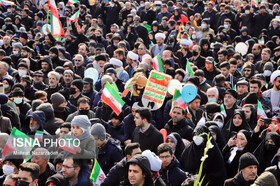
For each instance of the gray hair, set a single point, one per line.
(68, 72)
(3, 139)
(79, 55)
(5, 65)
(213, 89)
(54, 73)
(43, 152)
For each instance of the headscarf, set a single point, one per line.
(229, 128)
(219, 137)
(180, 146)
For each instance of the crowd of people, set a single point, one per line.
(227, 135)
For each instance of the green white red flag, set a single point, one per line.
(261, 41)
(112, 98)
(71, 2)
(260, 111)
(223, 110)
(189, 70)
(97, 174)
(19, 142)
(68, 145)
(6, 3)
(75, 16)
(255, 2)
(56, 28)
(177, 101)
(39, 135)
(158, 65)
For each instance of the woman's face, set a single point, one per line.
(214, 135)
(251, 59)
(176, 13)
(241, 141)
(128, 29)
(237, 120)
(171, 143)
(208, 37)
(190, 31)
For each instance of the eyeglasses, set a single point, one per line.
(247, 70)
(141, 48)
(254, 49)
(37, 76)
(77, 60)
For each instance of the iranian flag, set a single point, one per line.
(71, 2)
(261, 41)
(75, 16)
(189, 70)
(6, 3)
(158, 65)
(260, 111)
(19, 142)
(177, 100)
(68, 145)
(255, 2)
(39, 135)
(112, 98)
(223, 110)
(97, 174)
(56, 28)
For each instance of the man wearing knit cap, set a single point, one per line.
(210, 70)
(59, 105)
(109, 153)
(160, 46)
(29, 90)
(248, 168)
(242, 88)
(230, 98)
(75, 91)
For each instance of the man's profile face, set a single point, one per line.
(138, 120)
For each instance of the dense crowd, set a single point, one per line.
(51, 88)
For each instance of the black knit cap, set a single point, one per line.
(213, 107)
(78, 83)
(17, 92)
(251, 98)
(15, 159)
(246, 160)
(231, 92)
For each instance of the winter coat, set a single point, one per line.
(173, 175)
(150, 139)
(183, 127)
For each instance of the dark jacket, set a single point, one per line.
(50, 170)
(148, 15)
(116, 175)
(150, 139)
(173, 175)
(128, 126)
(108, 155)
(183, 127)
(50, 91)
(5, 124)
(237, 180)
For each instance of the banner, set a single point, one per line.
(156, 89)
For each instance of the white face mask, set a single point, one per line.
(193, 36)
(8, 169)
(212, 99)
(5, 86)
(267, 73)
(15, 52)
(203, 25)
(18, 100)
(198, 140)
(9, 10)
(22, 72)
(111, 4)
(247, 12)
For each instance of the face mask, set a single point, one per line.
(9, 10)
(212, 99)
(23, 183)
(247, 12)
(267, 73)
(226, 26)
(195, 53)
(220, 124)
(198, 140)
(111, 4)
(22, 72)
(187, 27)
(15, 52)
(18, 100)
(8, 169)
(72, 90)
(142, 5)
(193, 36)
(84, 112)
(204, 25)
(5, 86)
(269, 147)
